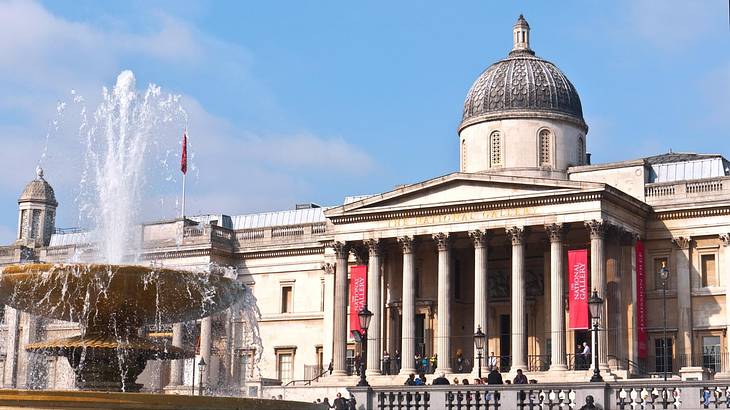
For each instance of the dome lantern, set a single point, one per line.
(36, 212)
(521, 36)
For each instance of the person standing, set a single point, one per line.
(494, 377)
(340, 403)
(386, 362)
(492, 361)
(396, 357)
(586, 353)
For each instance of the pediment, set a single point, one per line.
(461, 188)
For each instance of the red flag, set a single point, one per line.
(578, 288)
(184, 157)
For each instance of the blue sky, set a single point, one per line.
(311, 101)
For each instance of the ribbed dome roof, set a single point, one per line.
(38, 190)
(522, 86)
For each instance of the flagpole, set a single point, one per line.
(183, 198)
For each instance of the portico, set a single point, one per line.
(494, 259)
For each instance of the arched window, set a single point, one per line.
(581, 150)
(495, 149)
(463, 155)
(545, 146)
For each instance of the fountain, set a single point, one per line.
(115, 297)
(112, 302)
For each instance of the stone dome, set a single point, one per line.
(38, 190)
(522, 86)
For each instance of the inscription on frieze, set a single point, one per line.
(462, 217)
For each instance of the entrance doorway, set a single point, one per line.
(420, 334)
(505, 341)
(580, 362)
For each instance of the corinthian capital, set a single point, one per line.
(328, 268)
(725, 238)
(442, 240)
(516, 234)
(556, 232)
(480, 238)
(407, 243)
(360, 253)
(597, 229)
(342, 249)
(373, 246)
(681, 242)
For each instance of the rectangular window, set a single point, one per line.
(660, 352)
(658, 263)
(709, 274)
(246, 365)
(286, 299)
(285, 365)
(711, 353)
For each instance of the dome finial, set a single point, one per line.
(521, 35)
(39, 172)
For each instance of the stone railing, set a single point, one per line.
(278, 234)
(617, 395)
(683, 190)
(252, 237)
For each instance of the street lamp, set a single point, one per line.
(364, 315)
(595, 304)
(664, 273)
(479, 338)
(201, 368)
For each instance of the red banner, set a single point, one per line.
(358, 294)
(578, 282)
(641, 300)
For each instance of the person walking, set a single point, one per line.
(340, 403)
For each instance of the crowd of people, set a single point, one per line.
(494, 377)
(339, 403)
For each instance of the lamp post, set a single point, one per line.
(595, 304)
(479, 338)
(364, 315)
(201, 368)
(664, 273)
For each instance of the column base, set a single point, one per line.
(405, 372)
(558, 368)
(693, 373)
(370, 372)
(339, 372)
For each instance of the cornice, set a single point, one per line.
(692, 213)
(471, 207)
(285, 252)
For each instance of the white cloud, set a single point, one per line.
(233, 170)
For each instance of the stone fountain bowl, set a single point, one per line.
(119, 296)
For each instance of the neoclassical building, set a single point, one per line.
(484, 247)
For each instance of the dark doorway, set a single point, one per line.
(580, 361)
(420, 334)
(504, 343)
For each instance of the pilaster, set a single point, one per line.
(682, 266)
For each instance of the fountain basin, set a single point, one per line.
(130, 296)
(111, 302)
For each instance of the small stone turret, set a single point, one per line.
(36, 212)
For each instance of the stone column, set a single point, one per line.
(408, 328)
(328, 314)
(443, 345)
(556, 234)
(340, 317)
(375, 350)
(518, 337)
(206, 343)
(725, 277)
(12, 318)
(684, 299)
(598, 231)
(176, 367)
(481, 316)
